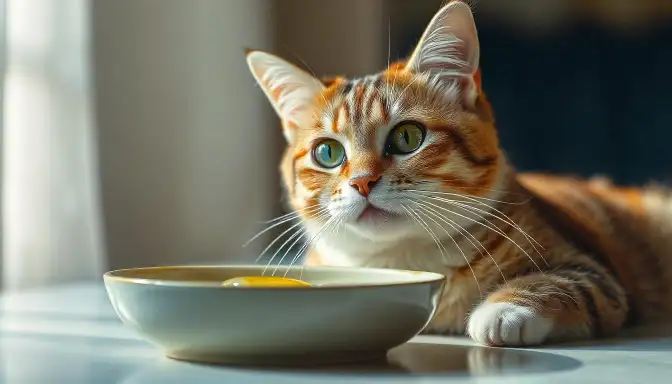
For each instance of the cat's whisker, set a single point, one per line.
(466, 207)
(504, 218)
(309, 243)
(326, 225)
(510, 221)
(507, 220)
(489, 226)
(315, 238)
(464, 232)
(300, 253)
(502, 191)
(278, 238)
(295, 213)
(530, 239)
(466, 259)
(287, 252)
(431, 233)
(275, 225)
(296, 233)
(469, 197)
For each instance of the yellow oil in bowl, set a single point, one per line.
(263, 281)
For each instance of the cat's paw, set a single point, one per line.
(507, 324)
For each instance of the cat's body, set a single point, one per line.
(581, 228)
(403, 170)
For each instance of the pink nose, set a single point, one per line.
(363, 184)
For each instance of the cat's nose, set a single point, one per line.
(364, 184)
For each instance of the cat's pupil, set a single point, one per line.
(406, 137)
(328, 151)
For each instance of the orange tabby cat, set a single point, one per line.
(403, 169)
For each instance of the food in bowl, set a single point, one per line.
(264, 281)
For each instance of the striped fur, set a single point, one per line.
(530, 258)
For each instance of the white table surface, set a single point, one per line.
(70, 334)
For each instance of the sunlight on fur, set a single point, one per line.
(403, 169)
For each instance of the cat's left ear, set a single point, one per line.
(291, 91)
(449, 47)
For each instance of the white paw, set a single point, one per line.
(507, 324)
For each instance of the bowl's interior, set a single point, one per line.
(317, 276)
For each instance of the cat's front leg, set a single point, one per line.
(565, 304)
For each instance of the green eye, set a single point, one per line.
(405, 137)
(329, 153)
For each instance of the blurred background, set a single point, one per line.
(133, 134)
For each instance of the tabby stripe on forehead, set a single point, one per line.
(383, 106)
(346, 111)
(334, 122)
(358, 107)
(347, 87)
(370, 101)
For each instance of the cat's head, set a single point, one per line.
(372, 154)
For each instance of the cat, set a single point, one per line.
(403, 169)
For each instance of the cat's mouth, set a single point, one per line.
(373, 213)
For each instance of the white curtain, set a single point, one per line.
(51, 214)
(176, 161)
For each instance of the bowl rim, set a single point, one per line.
(114, 275)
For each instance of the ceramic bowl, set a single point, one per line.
(349, 314)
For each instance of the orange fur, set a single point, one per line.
(529, 258)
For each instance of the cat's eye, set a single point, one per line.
(405, 138)
(329, 153)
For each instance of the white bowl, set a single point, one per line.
(351, 314)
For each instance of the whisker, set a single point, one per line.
(471, 197)
(295, 256)
(296, 213)
(503, 191)
(273, 226)
(309, 242)
(295, 234)
(464, 232)
(510, 221)
(278, 238)
(431, 233)
(305, 232)
(459, 249)
(504, 218)
(490, 226)
(529, 238)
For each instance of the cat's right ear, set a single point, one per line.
(291, 91)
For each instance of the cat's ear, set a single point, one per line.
(291, 91)
(449, 47)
